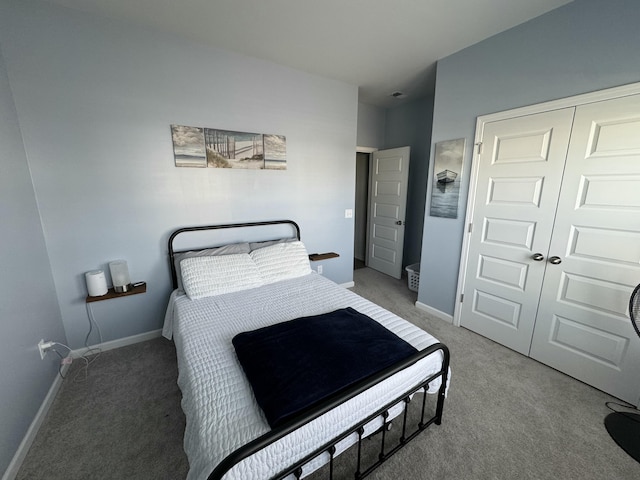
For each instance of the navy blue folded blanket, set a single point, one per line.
(294, 365)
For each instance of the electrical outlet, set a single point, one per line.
(43, 347)
(320, 269)
(348, 213)
(40, 345)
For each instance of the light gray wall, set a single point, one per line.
(28, 306)
(584, 46)
(410, 125)
(371, 126)
(96, 98)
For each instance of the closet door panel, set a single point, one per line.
(517, 190)
(582, 327)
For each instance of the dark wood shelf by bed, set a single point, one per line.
(113, 294)
(314, 257)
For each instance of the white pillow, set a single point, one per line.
(223, 250)
(282, 261)
(208, 276)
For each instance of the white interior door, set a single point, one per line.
(519, 178)
(387, 207)
(582, 327)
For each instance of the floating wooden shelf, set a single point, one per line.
(113, 294)
(314, 257)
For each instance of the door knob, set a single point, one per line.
(538, 257)
(399, 222)
(555, 260)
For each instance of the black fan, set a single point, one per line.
(624, 427)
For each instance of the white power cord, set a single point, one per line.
(89, 350)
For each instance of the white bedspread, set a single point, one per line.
(220, 409)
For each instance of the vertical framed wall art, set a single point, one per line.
(447, 172)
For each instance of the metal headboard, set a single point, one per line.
(172, 251)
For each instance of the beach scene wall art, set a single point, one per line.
(447, 170)
(212, 148)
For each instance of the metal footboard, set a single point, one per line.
(386, 451)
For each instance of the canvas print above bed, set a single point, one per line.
(209, 147)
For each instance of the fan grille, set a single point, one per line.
(634, 308)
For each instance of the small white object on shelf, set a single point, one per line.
(120, 276)
(96, 283)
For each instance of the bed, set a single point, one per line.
(224, 293)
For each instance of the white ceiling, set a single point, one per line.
(382, 46)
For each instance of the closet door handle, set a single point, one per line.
(555, 260)
(538, 257)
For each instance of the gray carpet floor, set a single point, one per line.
(506, 416)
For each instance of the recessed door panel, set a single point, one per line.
(388, 188)
(383, 254)
(525, 146)
(503, 272)
(380, 232)
(515, 191)
(509, 232)
(389, 164)
(497, 309)
(615, 138)
(614, 192)
(594, 295)
(609, 245)
(386, 211)
(592, 344)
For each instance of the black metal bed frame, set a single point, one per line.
(305, 417)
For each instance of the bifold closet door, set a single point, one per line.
(582, 327)
(517, 189)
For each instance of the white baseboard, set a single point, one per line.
(30, 436)
(120, 342)
(434, 312)
(348, 284)
(27, 441)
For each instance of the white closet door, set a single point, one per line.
(517, 188)
(582, 327)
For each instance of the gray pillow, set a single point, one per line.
(268, 243)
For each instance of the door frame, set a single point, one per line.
(574, 101)
(368, 151)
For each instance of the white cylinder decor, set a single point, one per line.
(96, 283)
(120, 276)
